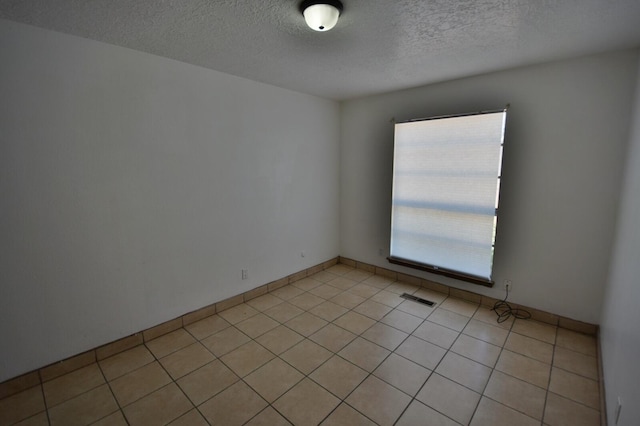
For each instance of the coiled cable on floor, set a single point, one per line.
(504, 310)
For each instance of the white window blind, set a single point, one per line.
(446, 184)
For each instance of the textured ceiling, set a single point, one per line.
(377, 46)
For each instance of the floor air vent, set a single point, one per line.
(417, 299)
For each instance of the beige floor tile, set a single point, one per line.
(517, 394)
(342, 283)
(325, 291)
(477, 350)
(338, 376)
(76, 362)
(279, 339)
(257, 325)
(283, 312)
(464, 371)
(418, 414)
(449, 398)
(207, 326)
(561, 411)
(424, 353)
(323, 276)
(85, 408)
(139, 383)
(191, 418)
(332, 337)
(273, 379)
(306, 356)
(577, 342)
(225, 341)
(306, 301)
(373, 310)
(490, 317)
(354, 322)
(124, 362)
(72, 384)
(576, 362)
(385, 336)
(483, 331)
(341, 307)
(113, 419)
(459, 306)
(345, 415)
(533, 348)
(358, 275)
(234, 406)
(524, 368)
(287, 292)
(247, 358)
(340, 269)
(170, 342)
(416, 309)
(363, 290)
(207, 381)
(268, 417)
(186, 360)
(387, 298)
(449, 319)
(307, 403)
(491, 413)
(238, 313)
(307, 284)
(402, 373)
(537, 330)
(436, 334)
(364, 354)
(379, 401)
(400, 287)
(328, 311)
(378, 281)
(264, 302)
(402, 321)
(21, 405)
(306, 324)
(348, 300)
(575, 387)
(41, 419)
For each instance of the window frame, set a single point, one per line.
(439, 270)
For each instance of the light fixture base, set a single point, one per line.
(321, 15)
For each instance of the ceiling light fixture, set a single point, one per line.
(321, 15)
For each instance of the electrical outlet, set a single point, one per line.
(302, 254)
(508, 285)
(381, 252)
(245, 274)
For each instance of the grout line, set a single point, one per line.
(324, 267)
(113, 395)
(368, 375)
(44, 400)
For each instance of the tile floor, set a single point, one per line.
(338, 348)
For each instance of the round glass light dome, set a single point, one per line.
(321, 16)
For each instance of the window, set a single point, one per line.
(446, 185)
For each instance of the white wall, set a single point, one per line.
(620, 323)
(564, 150)
(134, 189)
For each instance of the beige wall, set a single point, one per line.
(620, 321)
(566, 141)
(135, 189)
